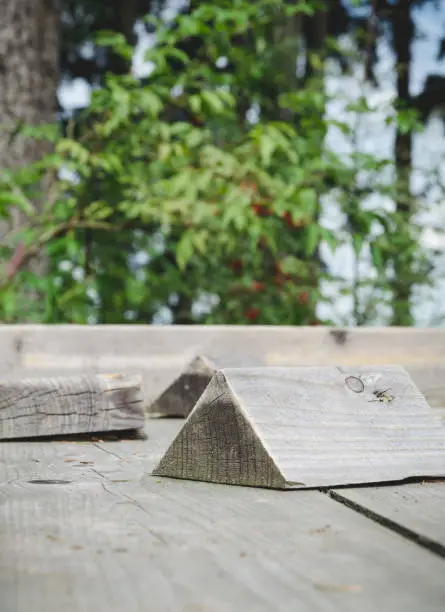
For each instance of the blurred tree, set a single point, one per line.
(402, 26)
(255, 53)
(222, 200)
(80, 57)
(29, 77)
(398, 17)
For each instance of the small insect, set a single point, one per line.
(383, 396)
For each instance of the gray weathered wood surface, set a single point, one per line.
(179, 399)
(307, 427)
(417, 509)
(111, 537)
(70, 404)
(159, 354)
(440, 413)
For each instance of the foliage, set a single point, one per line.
(165, 197)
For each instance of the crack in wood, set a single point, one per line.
(424, 541)
(105, 450)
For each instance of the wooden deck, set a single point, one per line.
(84, 527)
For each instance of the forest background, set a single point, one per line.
(268, 162)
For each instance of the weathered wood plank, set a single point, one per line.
(114, 538)
(68, 405)
(156, 354)
(416, 510)
(180, 397)
(420, 351)
(160, 353)
(35, 344)
(308, 427)
(440, 413)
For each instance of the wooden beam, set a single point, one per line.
(308, 427)
(290, 347)
(69, 405)
(161, 353)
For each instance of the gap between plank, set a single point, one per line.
(431, 545)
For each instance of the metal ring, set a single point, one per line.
(355, 383)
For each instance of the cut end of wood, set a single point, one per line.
(179, 399)
(217, 444)
(35, 407)
(308, 427)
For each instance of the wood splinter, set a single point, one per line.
(35, 407)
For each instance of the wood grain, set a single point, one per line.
(114, 538)
(69, 405)
(304, 427)
(160, 353)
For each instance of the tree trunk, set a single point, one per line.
(29, 73)
(403, 33)
(29, 76)
(122, 19)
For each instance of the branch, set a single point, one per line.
(23, 255)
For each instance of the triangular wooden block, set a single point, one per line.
(308, 427)
(179, 399)
(181, 396)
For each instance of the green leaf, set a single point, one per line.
(50, 132)
(377, 258)
(267, 147)
(184, 250)
(293, 266)
(200, 240)
(182, 183)
(15, 200)
(108, 38)
(98, 210)
(195, 138)
(407, 121)
(8, 302)
(330, 238)
(343, 127)
(178, 54)
(213, 101)
(195, 103)
(149, 101)
(116, 41)
(359, 106)
(306, 8)
(357, 243)
(234, 213)
(313, 235)
(308, 200)
(74, 150)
